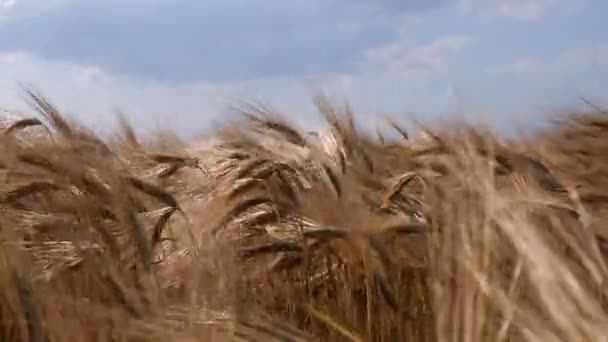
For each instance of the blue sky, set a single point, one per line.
(181, 63)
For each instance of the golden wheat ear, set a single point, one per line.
(49, 112)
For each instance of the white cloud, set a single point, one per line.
(524, 9)
(524, 65)
(516, 9)
(91, 73)
(14, 57)
(557, 81)
(92, 95)
(405, 59)
(570, 60)
(20, 9)
(7, 4)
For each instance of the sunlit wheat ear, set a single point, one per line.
(398, 185)
(50, 113)
(332, 237)
(243, 186)
(175, 163)
(264, 121)
(79, 137)
(240, 208)
(247, 169)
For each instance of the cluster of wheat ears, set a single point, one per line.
(265, 232)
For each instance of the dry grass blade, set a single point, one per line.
(367, 160)
(285, 262)
(28, 189)
(262, 218)
(37, 160)
(142, 243)
(160, 225)
(169, 171)
(380, 277)
(172, 159)
(289, 188)
(407, 229)
(272, 169)
(126, 298)
(242, 207)
(326, 233)
(263, 119)
(34, 322)
(240, 156)
(95, 185)
(273, 247)
(377, 246)
(154, 191)
(128, 133)
(23, 123)
(265, 332)
(504, 166)
(380, 136)
(400, 130)
(335, 182)
(596, 107)
(545, 177)
(108, 238)
(385, 289)
(351, 336)
(248, 168)
(398, 187)
(243, 186)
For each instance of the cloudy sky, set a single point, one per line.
(182, 63)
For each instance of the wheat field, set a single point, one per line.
(267, 232)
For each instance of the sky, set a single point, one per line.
(183, 64)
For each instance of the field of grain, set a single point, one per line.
(264, 232)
